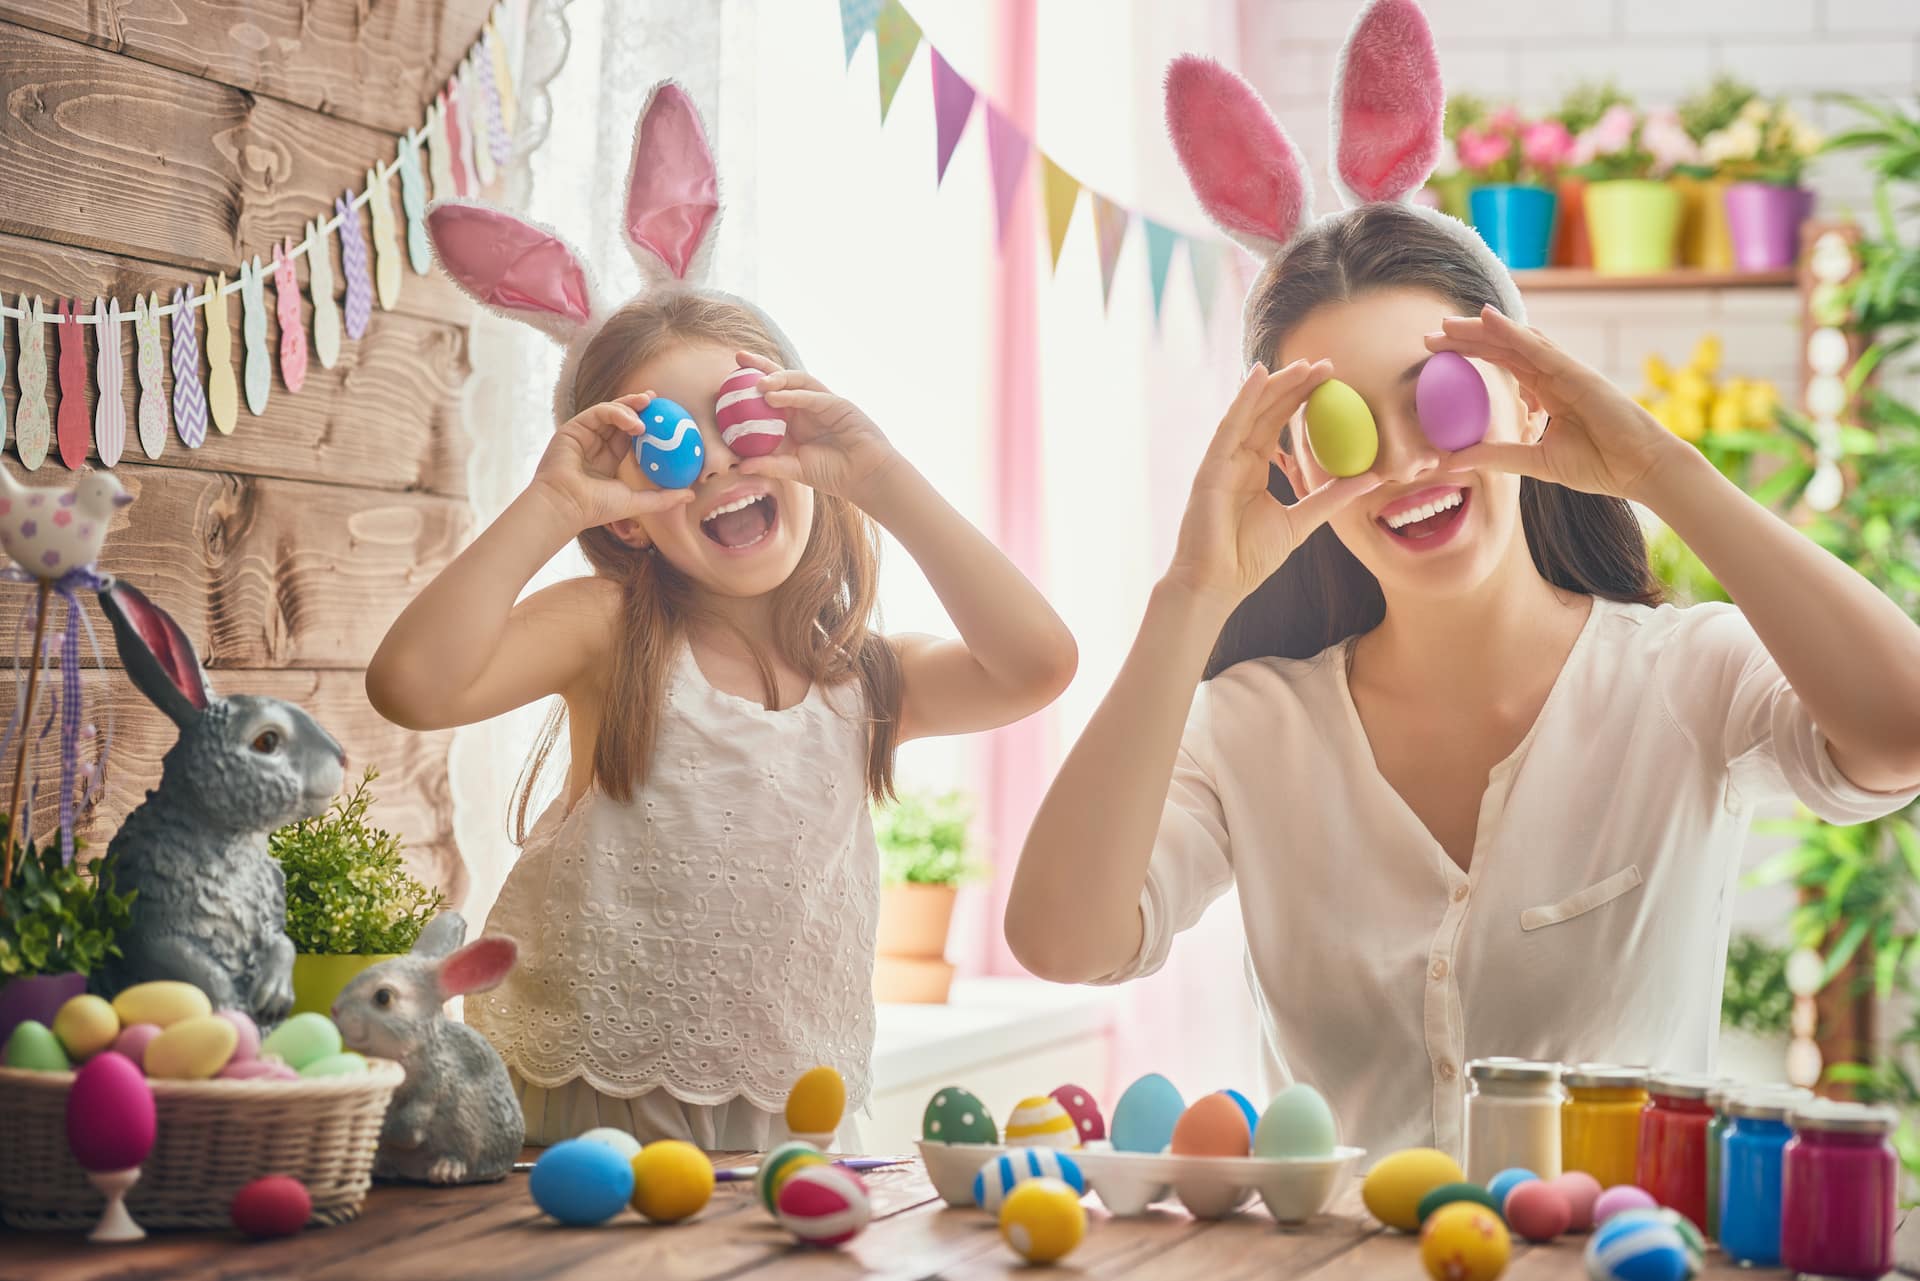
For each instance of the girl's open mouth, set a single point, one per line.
(740, 525)
(1428, 519)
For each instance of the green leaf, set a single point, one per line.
(1784, 486)
(1843, 952)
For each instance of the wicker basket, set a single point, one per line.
(214, 1138)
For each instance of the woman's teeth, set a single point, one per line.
(1400, 520)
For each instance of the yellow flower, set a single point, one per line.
(1761, 399)
(1756, 110)
(1706, 354)
(1726, 415)
(1691, 387)
(1658, 375)
(1689, 421)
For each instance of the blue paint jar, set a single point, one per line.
(1751, 1157)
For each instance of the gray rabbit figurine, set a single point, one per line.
(212, 905)
(455, 1119)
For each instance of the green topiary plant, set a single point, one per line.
(59, 919)
(1756, 998)
(923, 840)
(348, 889)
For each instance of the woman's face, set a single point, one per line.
(1377, 345)
(741, 535)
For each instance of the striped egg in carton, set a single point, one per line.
(669, 451)
(748, 425)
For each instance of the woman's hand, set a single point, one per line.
(1235, 534)
(831, 445)
(1597, 439)
(579, 475)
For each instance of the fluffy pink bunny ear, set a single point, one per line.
(673, 192)
(1387, 104)
(519, 269)
(1246, 171)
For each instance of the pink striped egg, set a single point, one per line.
(748, 425)
(824, 1205)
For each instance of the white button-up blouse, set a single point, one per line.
(1592, 924)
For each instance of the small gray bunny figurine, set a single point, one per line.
(455, 1118)
(212, 902)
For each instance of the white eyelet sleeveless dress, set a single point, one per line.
(687, 954)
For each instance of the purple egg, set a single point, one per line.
(248, 1046)
(110, 1114)
(133, 1041)
(1451, 398)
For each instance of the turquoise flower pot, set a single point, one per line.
(1516, 222)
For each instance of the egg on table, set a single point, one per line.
(34, 1048)
(86, 1025)
(1619, 1199)
(1451, 401)
(1340, 428)
(955, 1115)
(780, 1165)
(1080, 1105)
(1298, 1123)
(669, 450)
(303, 1039)
(824, 1205)
(1004, 1173)
(1245, 1105)
(1043, 1220)
(816, 1103)
(748, 425)
(1505, 1182)
(1465, 1241)
(1581, 1190)
(277, 1205)
(1537, 1211)
(1637, 1245)
(1144, 1118)
(672, 1180)
(194, 1049)
(581, 1183)
(1394, 1188)
(1213, 1126)
(1041, 1122)
(1452, 1194)
(619, 1140)
(162, 1002)
(111, 1118)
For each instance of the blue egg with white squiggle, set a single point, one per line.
(670, 452)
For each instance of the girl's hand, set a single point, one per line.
(1597, 439)
(831, 445)
(580, 472)
(1235, 534)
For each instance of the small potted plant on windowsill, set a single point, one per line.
(924, 860)
(1763, 154)
(1633, 213)
(60, 921)
(350, 900)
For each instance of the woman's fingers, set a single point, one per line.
(754, 360)
(807, 400)
(1326, 502)
(791, 380)
(778, 465)
(1500, 455)
(1284, 392)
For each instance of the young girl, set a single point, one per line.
(1480, 793)
(697, 911)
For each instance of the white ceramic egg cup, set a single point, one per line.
(1293, 1188)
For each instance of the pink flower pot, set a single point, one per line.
(1765, 221)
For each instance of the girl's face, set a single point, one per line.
(741, 535)
(1377, 345)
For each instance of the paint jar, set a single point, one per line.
(1600, 1121)
(1513, 1118)
(1838, 1183)
(1673, 1144)
(1747, 1198)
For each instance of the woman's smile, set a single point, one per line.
(1427, 519)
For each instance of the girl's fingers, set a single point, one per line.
(645, 502)
(775, 466)
(610, 417)
(808, 399)
(1326, 502)
(754, 360)
(791, 380)
(1499, 455)
(1234, 424)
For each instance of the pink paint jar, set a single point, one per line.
(1838, 1186)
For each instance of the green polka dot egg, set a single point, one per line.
(955, 1115)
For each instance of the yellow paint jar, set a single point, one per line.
(1600, 1121)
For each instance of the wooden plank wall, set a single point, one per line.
(147, 143)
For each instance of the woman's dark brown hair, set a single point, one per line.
(823, 612)
(1586, 543)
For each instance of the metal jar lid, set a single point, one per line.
(1766, 1102)
(1604, 1076)
(1682, 1085)
(1517, 1071)
(1834, 1117)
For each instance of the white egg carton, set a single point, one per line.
(1294, 1188)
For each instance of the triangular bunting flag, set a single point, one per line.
(856, 19)
(1061, 191)
(897, 35)
(1203, 256)
(952, 107)
(1161, 242)
(1110, 225)
(1007, 149)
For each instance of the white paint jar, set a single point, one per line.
(1513, 1118)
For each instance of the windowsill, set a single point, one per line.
(986, 1020)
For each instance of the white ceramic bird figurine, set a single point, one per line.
(48, 532)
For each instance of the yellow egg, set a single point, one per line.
(817, 1102)
(161, 1003)
(1043, 1220)
(1392, 1189)
(193, 1049)
(86, 1025)
(672, 1181)
(1340, 429)
(1464, 1241)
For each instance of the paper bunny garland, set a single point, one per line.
(1387, 109)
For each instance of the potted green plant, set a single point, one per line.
(1578, 112)
(1756, 1010)
(1514, 163)
(350, 899)
(59, 922)
(1763, 152)
(925, 858)
(1705, 240)
(1633, 213)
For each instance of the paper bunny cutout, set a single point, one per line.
(189, 394)
(149, 368)
(223, 395)
(326, 312)
(439, 152)
(353, 261)
(70, 416)
(286, 306)
(526, 272)
(258, 372)
(32, 429)
(109, 381)
(386, 250)
(1387, 110)
(413, 199)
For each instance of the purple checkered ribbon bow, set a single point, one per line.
(66, 703)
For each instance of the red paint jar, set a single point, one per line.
(1838, 1183)
(1673, 1144)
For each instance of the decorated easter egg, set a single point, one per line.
(302, 1039)
(1618, 1199)
(86, 1025)
(1393, 1189)
(1340, 429)
(748, 424)
(1690, 1238)
(1537, 1211)
(1245, 1105)
(248, 1044)
(1298, 1123)
(1637, 1246)
(619, 1140)
(1213, 1126)
(672, 1180)
(275, 1206)
(1002, 1174)
(581, 1183)
(163, 1003)
(780, 1165)
(1043, 1220)
(1506, 1181)
(817, 1102)
(1041, 1122)
(1080, 1105)
(1144, 1118)
(193, 1049)
(266, 1069)
(133, 1042)
(1464, 1241)
(1449, 1193)
(1581, 1191)
(1451, 399)
(954, 1115)
(824, 1205)
(110, 1114)
(345, 1063)
(669, 451)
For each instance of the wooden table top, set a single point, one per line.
(494, 1231)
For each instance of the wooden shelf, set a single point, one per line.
(1546, 279)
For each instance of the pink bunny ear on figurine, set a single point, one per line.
(479, 966)
(673, 191)
(516, 268)
(1246, 171)
(1388, 105)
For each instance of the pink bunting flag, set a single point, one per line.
(952, 108)
(70, 419)
(1007, 149)
(1110, 228)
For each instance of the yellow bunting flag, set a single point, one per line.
(1061, 190)
(897, 35)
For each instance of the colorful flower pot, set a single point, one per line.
(1635, 226)
(1453, 193)
(1765, 220)
(38, 998)
(1571, 246)
(318, 979)
(1516, 222)
(1705, 240)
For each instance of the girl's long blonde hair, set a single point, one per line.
(823, 612)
